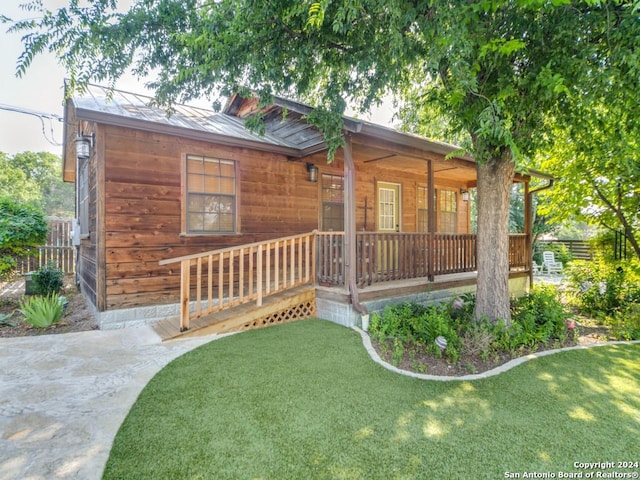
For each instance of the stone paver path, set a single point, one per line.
(63, 397)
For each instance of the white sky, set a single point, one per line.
(41, 90)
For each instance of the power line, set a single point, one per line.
(41, 116)
(11, 108)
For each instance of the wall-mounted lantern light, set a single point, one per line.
(313, 172)
(464, 194)
(84, 144)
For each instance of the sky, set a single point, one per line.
(41, 90)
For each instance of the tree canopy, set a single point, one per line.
(601, 183)
(499, 69)
(37, 178)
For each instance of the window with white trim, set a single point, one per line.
(422, 213)
(332, 203)
(448, 211)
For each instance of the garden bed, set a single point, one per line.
(77, 316)
(418, 359)
(447, 340)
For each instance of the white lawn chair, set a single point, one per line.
(550, 264)
(537, 269)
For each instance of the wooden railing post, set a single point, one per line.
(185, 287)
(259, 276)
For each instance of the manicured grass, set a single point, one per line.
(304, 400)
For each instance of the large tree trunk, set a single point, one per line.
(495, 177)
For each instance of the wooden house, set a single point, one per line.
(182, 216)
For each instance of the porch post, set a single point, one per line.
(349, 216)
(431, 221)
(528, 230)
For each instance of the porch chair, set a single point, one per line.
(550, 264)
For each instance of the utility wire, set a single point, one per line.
(41, 116)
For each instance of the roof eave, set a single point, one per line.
(150, 126)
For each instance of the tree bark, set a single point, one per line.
(495, 177)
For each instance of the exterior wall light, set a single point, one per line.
(84, 145)
(313, 172)
(464, 194)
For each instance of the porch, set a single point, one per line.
(386, 265)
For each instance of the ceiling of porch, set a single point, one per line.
(454, 170)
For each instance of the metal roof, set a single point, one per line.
(117, 107)
(288, 134)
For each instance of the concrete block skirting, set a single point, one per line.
(334, 310)
(343, 313)
(138, 316)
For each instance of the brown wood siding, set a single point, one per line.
(143, 209)
(88, 251)
(368, 174)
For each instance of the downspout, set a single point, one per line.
(530, 194)
(350, 230)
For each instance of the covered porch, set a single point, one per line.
(392, 217)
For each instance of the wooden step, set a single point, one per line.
(289, 305)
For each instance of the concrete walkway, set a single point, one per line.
(63, 397)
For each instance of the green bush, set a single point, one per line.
(48, 279)
(625, 323)
(538, 318)
(415, 323)
(22, 227)
(541, 316)
(600, 287)
(42, 312)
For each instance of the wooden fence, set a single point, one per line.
(58, 249)
(578, 248)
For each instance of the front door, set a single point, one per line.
(388, 222)
(388, 207)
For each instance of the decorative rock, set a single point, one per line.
(441, 342)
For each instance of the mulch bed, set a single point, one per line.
(78, 316)
(416, 359)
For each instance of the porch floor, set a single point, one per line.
(411, 286)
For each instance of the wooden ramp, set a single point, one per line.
(287, 306)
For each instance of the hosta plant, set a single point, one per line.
(42, 312)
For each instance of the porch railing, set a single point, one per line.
(215, 280)
(382, 257)
(236, 275)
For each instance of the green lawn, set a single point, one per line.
(304, 400)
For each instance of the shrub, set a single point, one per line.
(478, 339)
(48, 279)
(537, 318)
(541, 316)
(625, 323)
(601, 287)
(22, 227)
(412, 322)
(42, 312)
